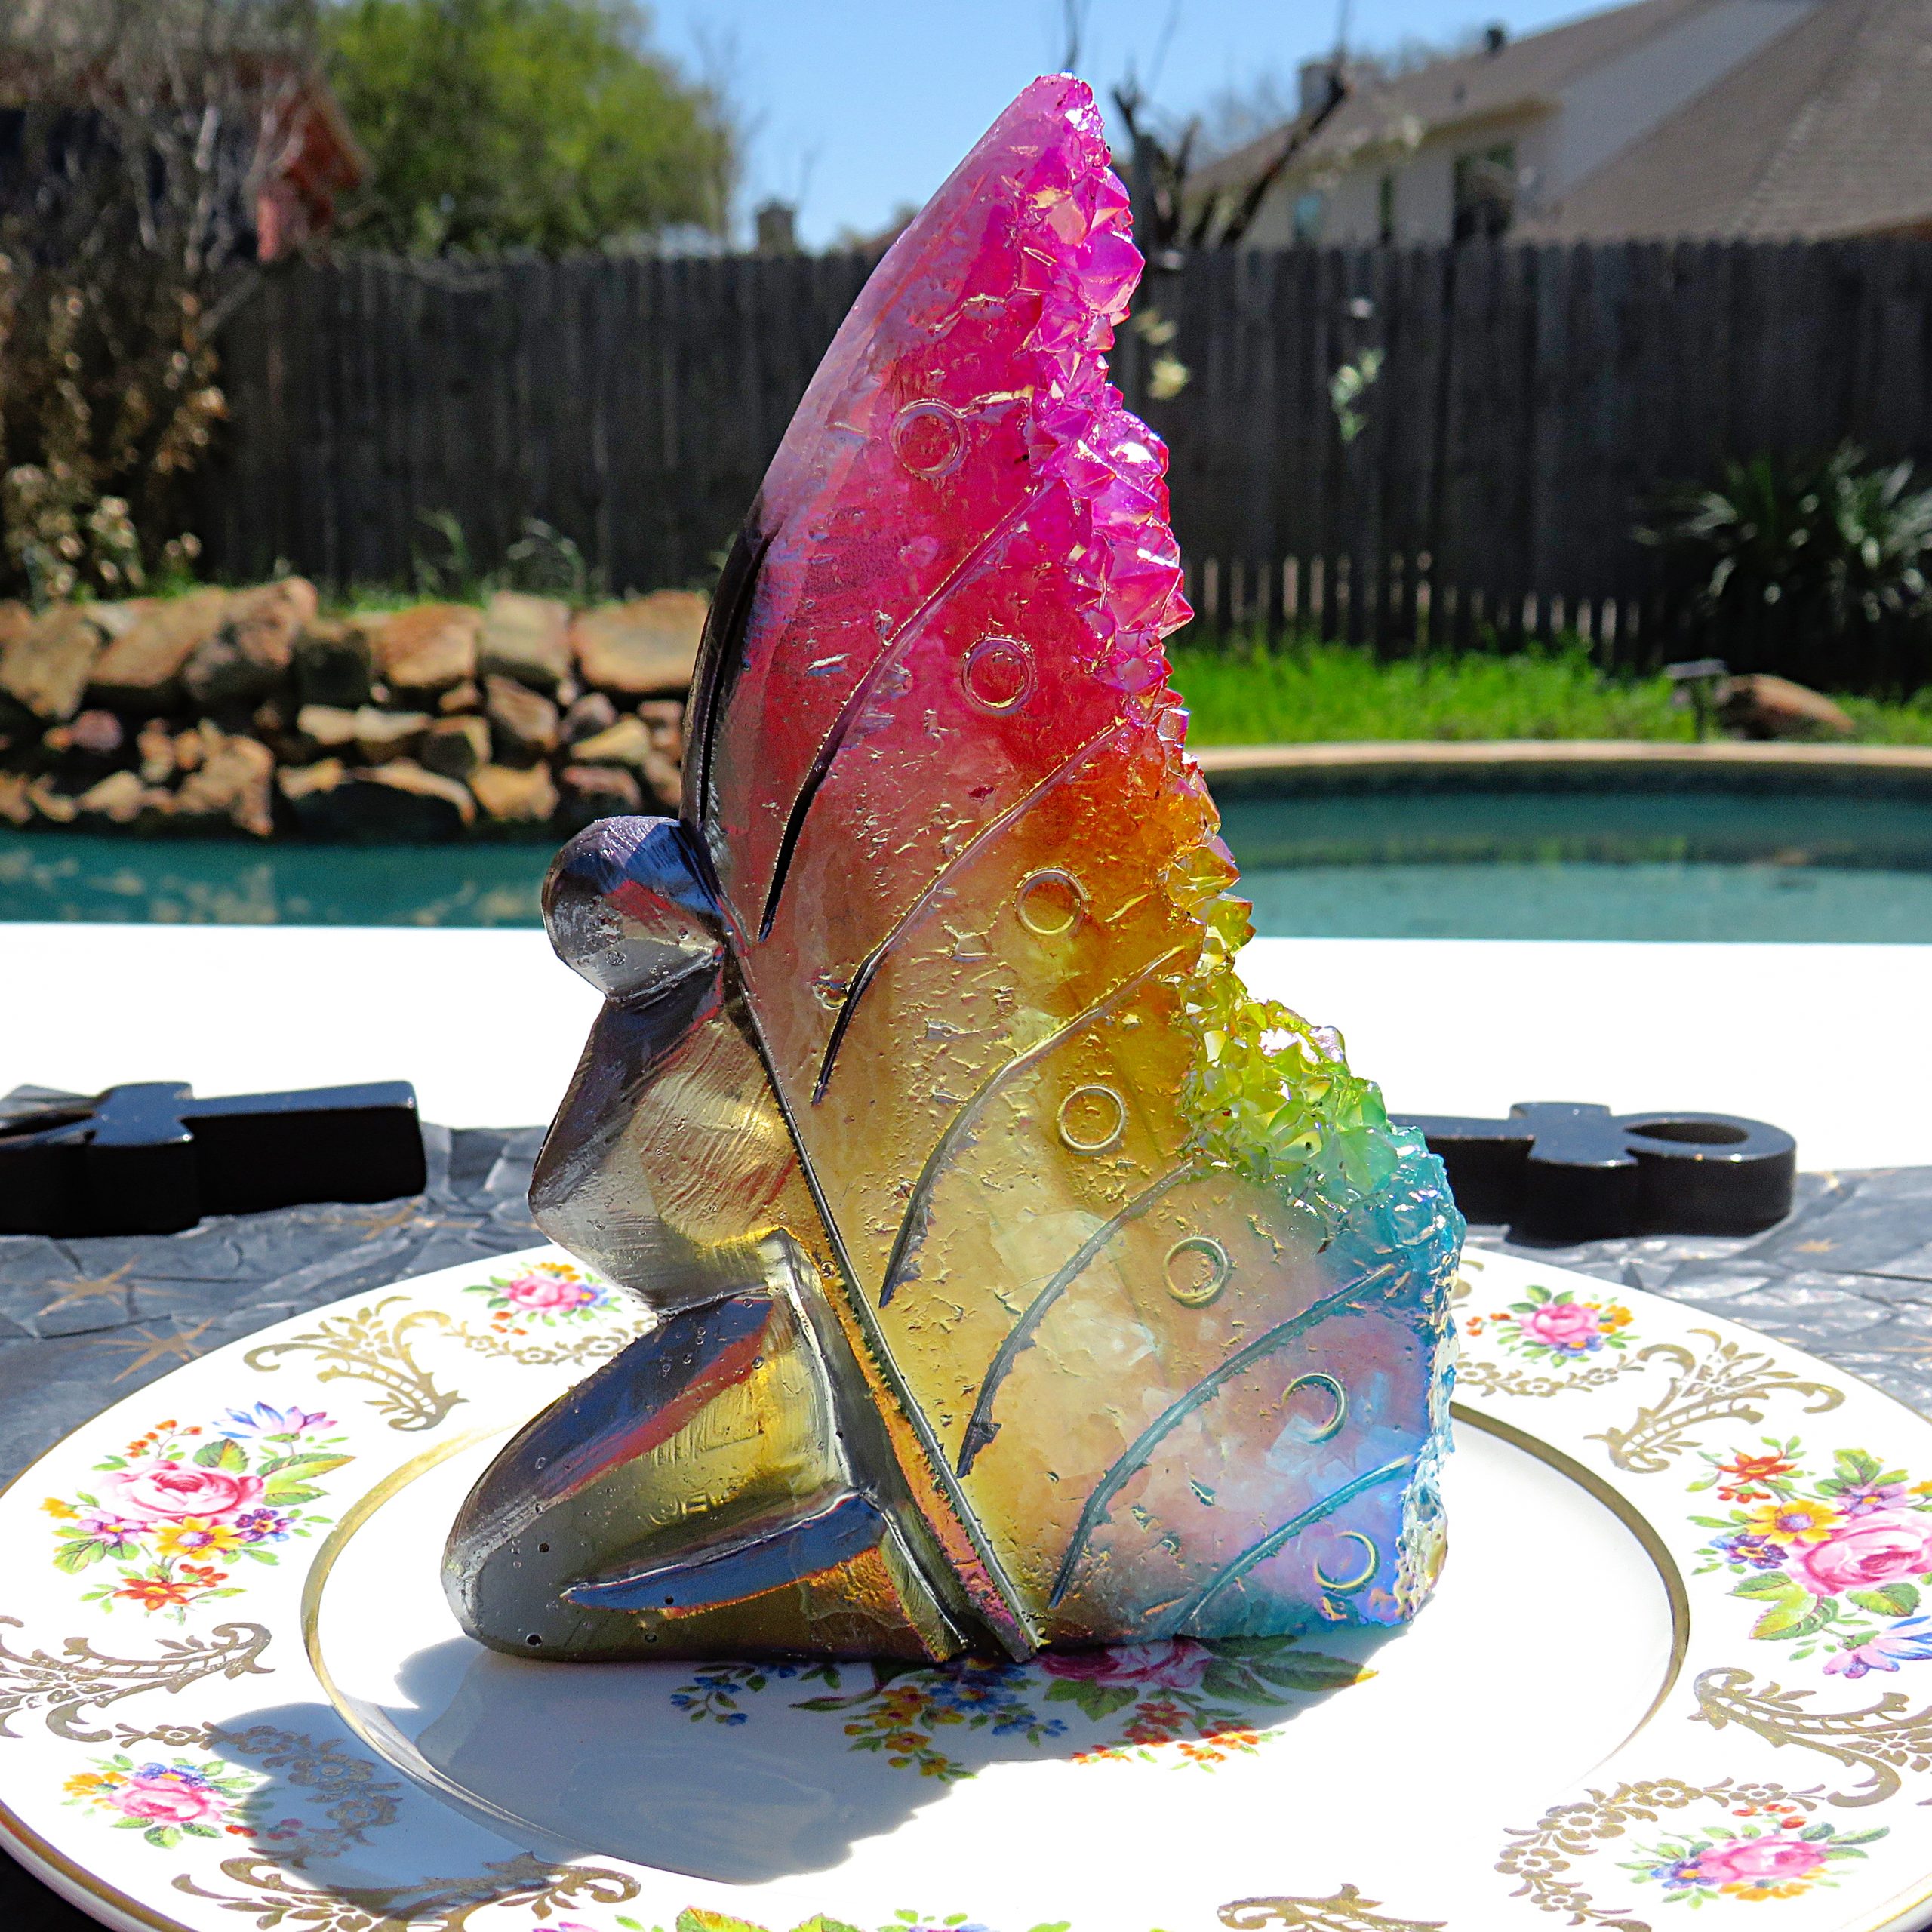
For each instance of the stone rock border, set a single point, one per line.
(249, 711)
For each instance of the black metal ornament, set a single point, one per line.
(151, 1159)
(1564, 1170)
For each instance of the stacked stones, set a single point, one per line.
(248, 710)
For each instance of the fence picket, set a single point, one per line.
(1530, 402)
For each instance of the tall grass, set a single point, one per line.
(1307, 693)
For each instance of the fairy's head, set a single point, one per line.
(627, 908)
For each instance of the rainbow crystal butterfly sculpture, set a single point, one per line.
(1020, 1280)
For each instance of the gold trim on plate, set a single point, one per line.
(1633, 1519)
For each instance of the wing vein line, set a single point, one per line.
(870, 964)
(943, 1148)
(861, 694)
(1006, 1616)
(718, 649)
(1134, 1457)
(1278, 1539)
(980, 1428)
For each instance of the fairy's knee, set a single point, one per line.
(719, 1418)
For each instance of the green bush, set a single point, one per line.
(1817, 555)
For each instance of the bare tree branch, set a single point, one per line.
(1073, 33)
(1160, 168)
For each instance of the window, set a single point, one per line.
(1485, 193)
(1385, 207)
(1308, 211)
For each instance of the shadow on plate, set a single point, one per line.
(742, 1773)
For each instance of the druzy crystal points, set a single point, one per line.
(1023, 1280)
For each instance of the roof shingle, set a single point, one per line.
(1826, 131)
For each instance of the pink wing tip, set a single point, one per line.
(1048, 148)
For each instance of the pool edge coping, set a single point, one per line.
(1469, 754)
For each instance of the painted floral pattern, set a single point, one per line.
(1557, 1328)
(1839, 1561)
(1206, 1702)
(902, 1710)
(184, 1506)
(1826, 1553)
(548, 1294)
(692, 1919)
(1776, 1855)
(166, 1801)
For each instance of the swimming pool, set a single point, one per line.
(1474, 861)
(1614, 863)
(64, 875)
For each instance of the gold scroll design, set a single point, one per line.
(1566, 1834)
(1883, 1739)
(1344, 1911)
(348, 1790)
(1727, 1383)
(370, 1345)
(277, 1898)
(577, 1352)
(1488, 1377)
(63, 1689)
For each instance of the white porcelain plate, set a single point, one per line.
(1678, 1657)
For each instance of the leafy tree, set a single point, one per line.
(552, 125)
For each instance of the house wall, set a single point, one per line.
(1273, 226)
(1605, 109)
(1594, 119)
(1351, 213)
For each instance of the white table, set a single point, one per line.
(1833, 1042)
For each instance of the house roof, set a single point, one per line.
(1825, 131)
(1520, 76)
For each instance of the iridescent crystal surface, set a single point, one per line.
(1023, 1280)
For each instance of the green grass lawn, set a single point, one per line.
(1303, 693)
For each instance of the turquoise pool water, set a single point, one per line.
(83, 875)
(1604, 864)
(1462, 864)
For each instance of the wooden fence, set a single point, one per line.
(632, 405)
(1529, 400)
(1530, 403)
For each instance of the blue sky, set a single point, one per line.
(861, 105)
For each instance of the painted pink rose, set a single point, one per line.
(1175, 1664)
(541, 1293)
(1569, 1325)
(169, 1492)
(168, 1798)
(1883, 1547)
(1758, 1861)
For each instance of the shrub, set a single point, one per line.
(129, 200)
(1817, 556)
